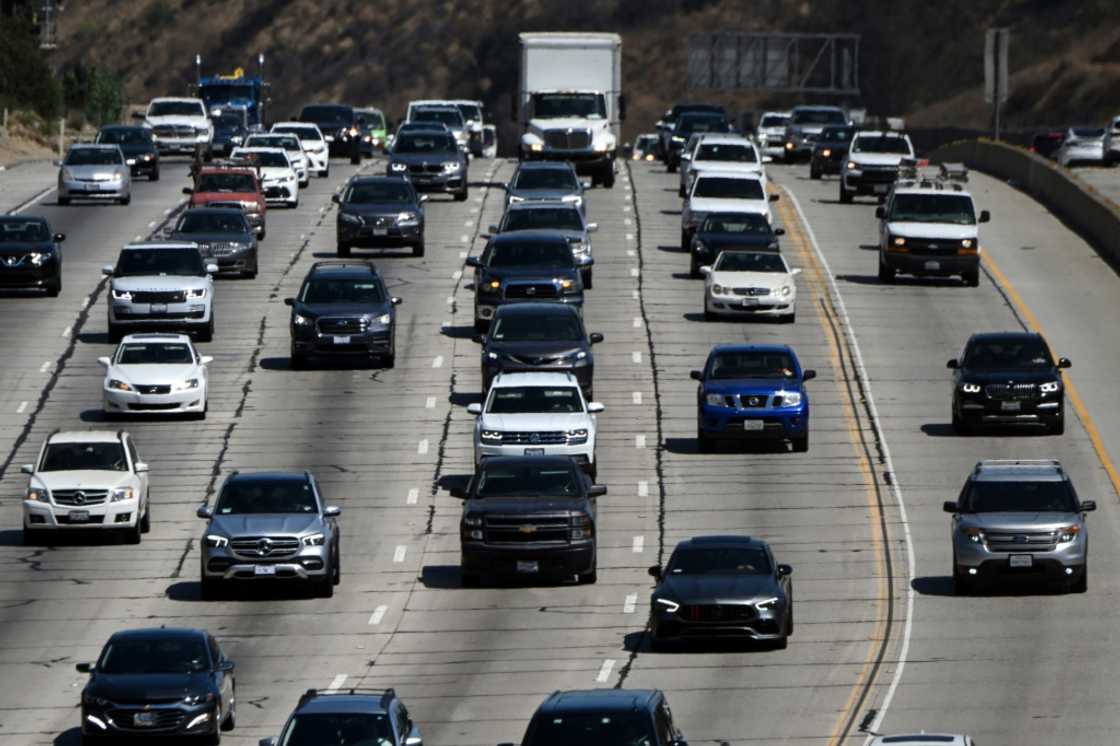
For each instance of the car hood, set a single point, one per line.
(721, 204)
(207, 238)
(552, 348)
(736, 240)
(1028, 375)
(770, 280)
(539, 194)
(538, 421)
(527, 506)
(877, 159)
(195, 121)
(160, 282)
(425, 159)
(264, 523)
(931, 230)
(377, 208)
(545, 274)
(751, 385)
(697, 589)
(82, 480)
(344, 309)
(1019, 521)
(154, 375)
(150, 687)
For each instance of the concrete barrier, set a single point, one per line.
(1079, 204)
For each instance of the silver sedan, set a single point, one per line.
(94, 172)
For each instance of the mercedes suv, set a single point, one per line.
(269, 526)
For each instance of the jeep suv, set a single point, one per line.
(1008, 378)
(270, 525)
(343, 308)
(1019, 518)
(349, 716)
(529, 517)
(603, 716)
(86, 480)
(161, 285)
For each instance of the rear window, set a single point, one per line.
(719, 187)
(226, 183)
(718, 152)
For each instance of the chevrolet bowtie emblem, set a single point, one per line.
(528, 529)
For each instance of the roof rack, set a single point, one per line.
(1025, 462)
(386, 695)
(366, 264)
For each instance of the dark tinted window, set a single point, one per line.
(249, 496)
(562, 105)
(122, 136)
(546, 178)
(226, 183)
(818, 116)
(265, 158)
(749, 261)
(558, 255)
(1088, 133)
(725, 152)
(541, 399)
(341, 290)
(720, 187)
(179, 654)
(999, 497)
(303, 133)
(838, 134)
(526, 480)
(367, 193)
(84, 456)
(349, 729)
(752, 364)
(22, 230)
(451, 117)
(719, 561)
(704, 123)
(774, 120)
(744, 223)
(93, 157)
(228, 119)
(559, 218)
(425, 142)
(226, 221)
(880, 144)
(155, 353)
(160, 262)
(470, 111)
(340, 115)
(525, 328)
(1002, 354)
(592, 729)
(176, 109)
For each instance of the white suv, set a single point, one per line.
(161, 285)
(531, 414)
(87, 480)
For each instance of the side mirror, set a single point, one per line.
(949, 506)
(459, 492)
(585, 183)
(808, 375)
(472, 261)
(27, 468)
(423, 198)
(188, 190)
(705, 270)
(204, 512)
(595, 407)
(686, 157)
(474, 408)
(881, 212)
(107, 269)
(396, 301)
(289, 301)
(104, 362)
(414, 741)
(1064, 362)
(795, 271)
(206, 359)
(226, 666)
(595, 338)
(767, 159)
(953, 364)
(211, 269)
(267, 742)
(696, 375)
(478, 339)
(985, 216)
(332, 511)
(141, 467)
(784, 570)
(494, 229)
(597, 490)
(336, 198)
(485, 236)
(1088, 506)
(775, 197)
(84, 668)
(779, 231)
(592, 227)
(59, 237)
(655, 571)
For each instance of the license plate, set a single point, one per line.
(750, 302)
(380, 231)
(78, 516)
(341, 340)
(144, 719)
(753, 424)
(527, 566)
(329, 138)
(881, 188)
(933, 265)
(131, 161)
(1021, 560)
(264, 570)
(1010, 406)
(159, 308)
(534, 451)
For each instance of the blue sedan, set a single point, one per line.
(752, 392)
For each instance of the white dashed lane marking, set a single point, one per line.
(337, 682)
(413, 496)
(605, 670)
(631, 603)
(639, 545)
(378, 614)
(422, 448)
(399, 553)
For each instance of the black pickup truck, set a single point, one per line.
(529, 517)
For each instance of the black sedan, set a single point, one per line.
(30, 256)
(140, 151)
(830, 151)
(223, 235)
(730, 230)
(158, 683)
(432, 161)
(546, 337)
(379, 211)
(722, 586)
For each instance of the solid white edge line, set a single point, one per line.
(20, 208)
(896, 489)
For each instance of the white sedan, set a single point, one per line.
(750, 283)
(279, 180)
(155, 374)
(313, 142)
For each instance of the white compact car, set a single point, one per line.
(279, 180)
(1111, 143)
(1083, 146)
(723, 191)
(530, 414)
(291, 144)
(155, 374)
(720, 152)
(750, 283)
(771, 133)
(313, 142)
(90, 480)
(179, 125)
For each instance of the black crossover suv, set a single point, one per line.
(380, 212)
(30, 255)
(603, 716)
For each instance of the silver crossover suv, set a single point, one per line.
(1019, 518)
(269, 526)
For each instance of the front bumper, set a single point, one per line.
(978, 409)
(90, 517)
(134, 403)
(111, 189)
(731, 424)
(554, 562)
(177, 719)
(935, 265)
(28, 275)
(188, 315)
(372, 342)
(319, 161)
(725, 620)
(142, 166)
(428, 181)
(583, 454)
(365, 234)
(180, 144)
(734, 305)
(309, 563)
(975, 559)
(869, 181)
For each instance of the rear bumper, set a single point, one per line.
(584, 374)
(869, 182)
(365, 235)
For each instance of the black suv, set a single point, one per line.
(730, 230)
(349, 716)
(523, 267)
(548, 337)
(343, 308)
(830, 151)
(603, 716)
(1008, 378)
(379, 211)
(529, 517)
(140, 151)
(30, 256)
(722, 586)
(688, 124)
(432, 160)
(158, 683)
(340, 127)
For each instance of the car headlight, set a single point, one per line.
(216, 541)
(536, 147)
(572, 199)
(196, 293)
(581, 528)
(201, 129)
(766, 604)
(669, 606)
(602, 147)
(67, 175)
(122, 493)
(119, 385)
(715, 400)
(492, 355)
(717, 289)
(974, 535)
(300, 320)
(314, 540)
(852, 165)
(789, 146)
(581, 355)
(513, 198)
(472, 520)
(578, 247)
(701, 247)
(1049, 387)
(197, 699)
(970, 388)
(348, 218)
(38, 494)
(494, 436)
(790, 399)
(966, 243)
(117, 175)
(898, 241)
(122, 294)
(452, 166)
(825, 153)
(235, 139)
(407, 218)
(398, 167)
(38, 257)
(250, 206)
(187, 385)
(147, 156)
(678, 138)
(491, 287)
(567, 285)
(575, 437)
(384, 319)
(1068, 533)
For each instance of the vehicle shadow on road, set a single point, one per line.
(684, 446)
(94, 338)
(71, 537)
(945, 430)
(869, 246)
(942, 585)
(458, 332)
(441, 577)
(931, 282)
(684, 276)
(71, 737)
(463, 398)
(672, 249)
(269, 590)
(358, 255)
(639, 642)
(324, 363)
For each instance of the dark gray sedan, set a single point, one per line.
(224, 237)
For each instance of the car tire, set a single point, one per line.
(670, 167)
(146, 519)
(230, 720)
(132, 535)
(886, 274)
(251, 274)
(63, 201)
(781, 643)
(588, 578)
(789, 318)
(154, 175)
(1081, 583)
(297, 361)
(971, 278)
(418, 249)
(963, 585)
(801, 444)
(705, 443)
(593, 471)
(845, 195)
(684, 241)
(585, 275)
(55, 287)
(709, 316)
(461, 196)
(294, 204)
(389, 361)
(469, 580)
(814, 173)
(124, 201)
(342, 249)
(325, 588)
(210, 589)
(960, 426)
(336, 576)
(481, 325)
(680, 192)
(1057, 425)
(116, 334)
(608, 176)
(207, 334)
(263, 233)
(33, 537)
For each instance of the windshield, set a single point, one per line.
(254, 496)
(690, 124)
(818, 116)
(93, 157)
(540, 399)
(752, 364)
(558, 327)
(228, 119)
(746, 224)
(84, 457)
(263, 158)
(556, 218)
(1001, 497)
(592, 729)
(371, 119)
(719, 561)
(177, 109)
(226, 183)
(838, 134)
(287, 142)
(532, 255)
(932, 208)
(139, 262)
(774, 120)
(155, 353)
(122, 136)
(574, 105)
(470, 112)
(223, 92)
(337, 115)
(303, 133)
(526, 480)
(736, 153)
(749, 261)
(225, 221)
(346, 729)
(341, 291)
(376, 192)
(1008, 354)
(451, 117)
(425, 142)
(147, 656)
(881, 144)
(724, 187)
(546, 178)
(20, 230)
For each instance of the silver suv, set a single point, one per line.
(1019, 518)
(158, 286)
(268, 526)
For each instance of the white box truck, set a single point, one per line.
(570, 104)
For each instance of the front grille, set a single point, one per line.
(342, 325)
(567, 139)
(1011, 391)
(92, 520)
(537, 359)
(174, 130)
(716, 612)
(164, 719)
(154, 389)
(265, 547)
(1035, 541)
(219, 248)
(933, 246)
(752, 292)
(526, 529)
(177, 316)
(545, 438)
(880, 175)
(425, 168)
(80, 497)
(13, 260)
(752, 401)
(532, 290)
(159, 296)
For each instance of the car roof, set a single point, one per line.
(723, 138)
(540, 204)
(343, 268)
(816, 107)
(21, 218)
(157, 633)
(271, 476)
(85, 436)
(928, 186)
(177, 98)
(1008, 336)
(544, 166)
(290, 123)
(599, 700)
(175, 245)
(377, 179)
(723, 173)
(535, 309)
(878, 133)
(95, 146)
(156, 337)
(752, 348)
(1019, 470)
(534, 378)
(722, 540)
(920, 738)
(210, 209)
(537, 235)
(344, 702)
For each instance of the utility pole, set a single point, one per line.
(996, 87)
